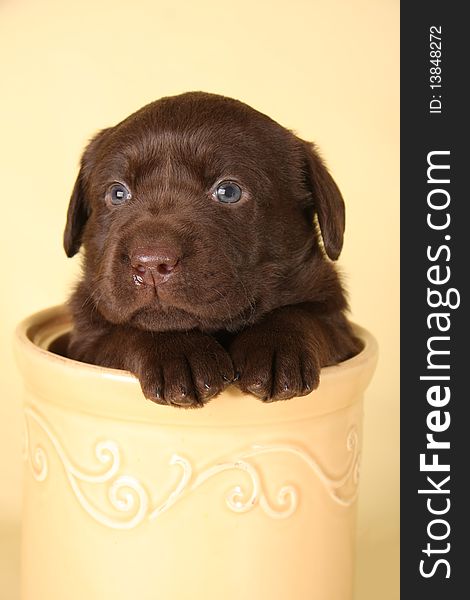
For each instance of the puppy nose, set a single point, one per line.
(153, 265)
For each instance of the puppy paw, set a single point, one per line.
(185, 370)
(274, 367)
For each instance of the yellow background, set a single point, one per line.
(326, 68)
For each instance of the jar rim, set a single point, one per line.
(49, 373)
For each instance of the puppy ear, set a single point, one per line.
(77, 216)
(79, 207)
(327, 199)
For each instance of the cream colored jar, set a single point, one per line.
(125, 499)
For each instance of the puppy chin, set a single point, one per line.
(157, 315)
(148, 311)
(170, 319)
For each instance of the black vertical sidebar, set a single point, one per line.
(435, 323)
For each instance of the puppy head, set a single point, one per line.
(197, 211)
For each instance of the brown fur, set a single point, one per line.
(254, 297)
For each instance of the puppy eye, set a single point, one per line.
(228, 192)
(118, 194)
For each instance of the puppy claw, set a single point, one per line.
(259, 389)
(184, 402)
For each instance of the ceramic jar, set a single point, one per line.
(125, 499)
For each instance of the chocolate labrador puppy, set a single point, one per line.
(208, 233)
